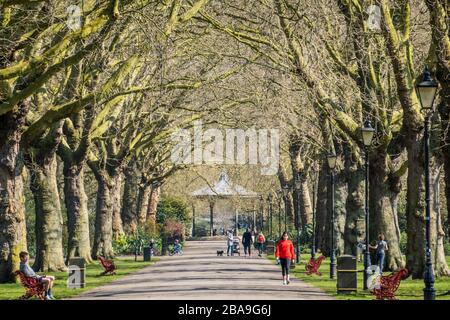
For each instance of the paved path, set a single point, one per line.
(200, 274)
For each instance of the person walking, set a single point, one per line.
(381, 247)
(230, 238)
(285, 254)
(247, 241)
(260, 242)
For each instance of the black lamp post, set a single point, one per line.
(367, 136)
(269, 198)
(285, 197)
(298, 186)
(426, 91)
(332, 165)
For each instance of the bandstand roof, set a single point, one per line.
(224, 188)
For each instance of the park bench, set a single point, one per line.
(32, 286)
(108, 265)
(313, 265)
(389, 285)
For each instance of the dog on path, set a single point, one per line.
(220, 253)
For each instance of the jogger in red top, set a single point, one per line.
(285, 254)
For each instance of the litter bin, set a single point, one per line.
(77, 273)
(346, 274)
(147, 253)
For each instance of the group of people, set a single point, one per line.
(285, 254)
(247, 242)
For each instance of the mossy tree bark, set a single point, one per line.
(102, 245)
(128, 211)
(354, 221)
(288, 200)
(400, 51)
(153, 201)
(321, 207)
(116, 198)
(12, 207)
(441, 44)
(41, 162)
(384, 189)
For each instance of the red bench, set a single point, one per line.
(313, 265)
(108, 265)
(32, 285)
(389, 285)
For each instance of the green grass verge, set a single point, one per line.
(409, 289)
(11, 291)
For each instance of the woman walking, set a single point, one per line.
(285, 254)
(381, 248)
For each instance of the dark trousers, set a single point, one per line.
(230, 249)
(247, 246)
(285, 264)
(260, 248)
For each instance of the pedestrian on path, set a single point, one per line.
(247, 241)
(381, 248)
(260, 242)
(230, 238)
(285, 254)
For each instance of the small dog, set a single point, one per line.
(220, 253)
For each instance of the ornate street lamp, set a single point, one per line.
(367, 133)
(332, 158)
(426, 91)
(298, 186)
(285, 197)
(269, 199)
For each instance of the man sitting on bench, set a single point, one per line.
(29, 272)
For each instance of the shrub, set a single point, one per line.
(403, 242)
(171, 208)
(129, 244)
(174, 230)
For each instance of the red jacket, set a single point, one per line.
(285, 250)
(261, 238)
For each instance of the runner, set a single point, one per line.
(285, 254)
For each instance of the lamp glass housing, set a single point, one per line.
(426, 91)
(367, 133)
(331, 158)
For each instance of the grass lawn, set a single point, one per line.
(125, 265)
(409, 289)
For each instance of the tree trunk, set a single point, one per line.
(128, 212)
(321, 208)
(153, 201)
(288, 201)
(49, 222)
(383, 196)
(340, 198)
(12, 208)
(77, 212)
(116, 194)
(354, 221)
(103, 220)
(142, 202)
(437, 233)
